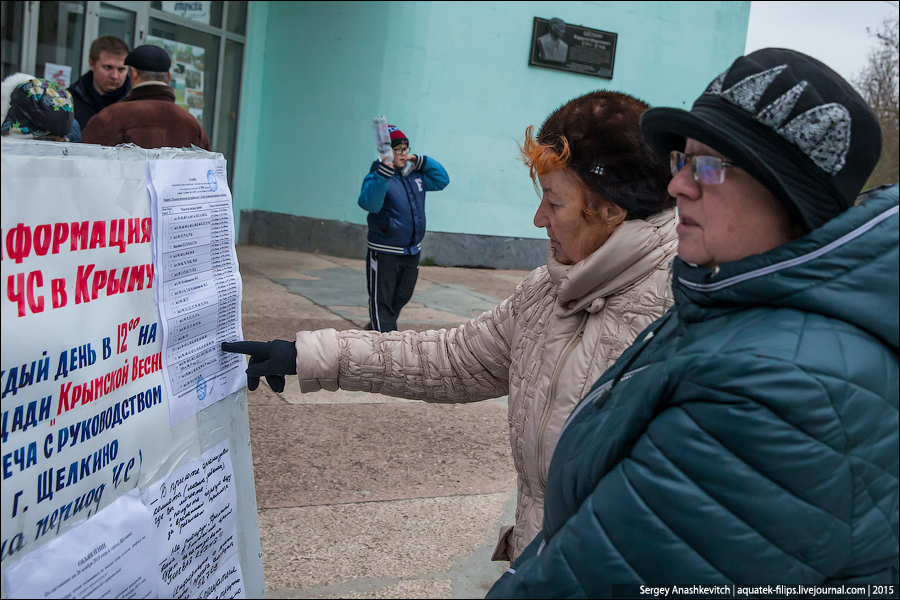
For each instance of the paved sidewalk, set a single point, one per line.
(361, 495)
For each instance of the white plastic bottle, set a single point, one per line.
(382, 138)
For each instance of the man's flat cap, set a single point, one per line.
(149, 58)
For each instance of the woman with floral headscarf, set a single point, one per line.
(36, 109)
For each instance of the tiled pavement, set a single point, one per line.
(362, 495)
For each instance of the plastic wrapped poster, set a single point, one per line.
(382, 138)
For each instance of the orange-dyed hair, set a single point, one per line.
(542, 159)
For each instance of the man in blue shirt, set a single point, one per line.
(394, 194)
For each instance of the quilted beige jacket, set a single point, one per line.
(543, 347)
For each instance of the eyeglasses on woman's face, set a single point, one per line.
(708, 170)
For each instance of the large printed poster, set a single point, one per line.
(81, 364)
(85, 424)
(188, 65)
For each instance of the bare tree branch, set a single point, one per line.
(879, 83)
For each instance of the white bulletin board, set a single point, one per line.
(103, 491)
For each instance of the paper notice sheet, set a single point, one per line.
(195, 526)
(199, 286)
(104, 557)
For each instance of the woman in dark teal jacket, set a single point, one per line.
(750, 436)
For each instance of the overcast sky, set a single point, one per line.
(833, 32)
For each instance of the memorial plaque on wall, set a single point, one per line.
(557, 45)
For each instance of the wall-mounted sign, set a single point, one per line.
(557, 45)
(195, 11)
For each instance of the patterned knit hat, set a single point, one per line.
(787, 119)
(39, 108)
(397, 136)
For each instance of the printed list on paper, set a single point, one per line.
(199, 285)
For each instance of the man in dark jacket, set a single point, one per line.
(148, 116)
(394, 194)
(749, 437)
(106, 83)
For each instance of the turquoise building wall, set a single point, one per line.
(454, 76)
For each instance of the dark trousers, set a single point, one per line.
(390, 280)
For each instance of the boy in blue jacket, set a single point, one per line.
(396, 205)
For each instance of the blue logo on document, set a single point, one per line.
(201, 387)
(211, 179)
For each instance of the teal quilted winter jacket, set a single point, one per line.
(749, 437)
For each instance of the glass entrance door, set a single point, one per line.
(195, 67)
(205, 40)
(206, 43)
(118, 22)
(12, 19)
(60, 39)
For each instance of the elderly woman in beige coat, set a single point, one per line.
(608, 215)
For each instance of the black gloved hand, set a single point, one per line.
(273, 360)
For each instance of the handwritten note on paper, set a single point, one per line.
(196, 528)
(104, 557)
